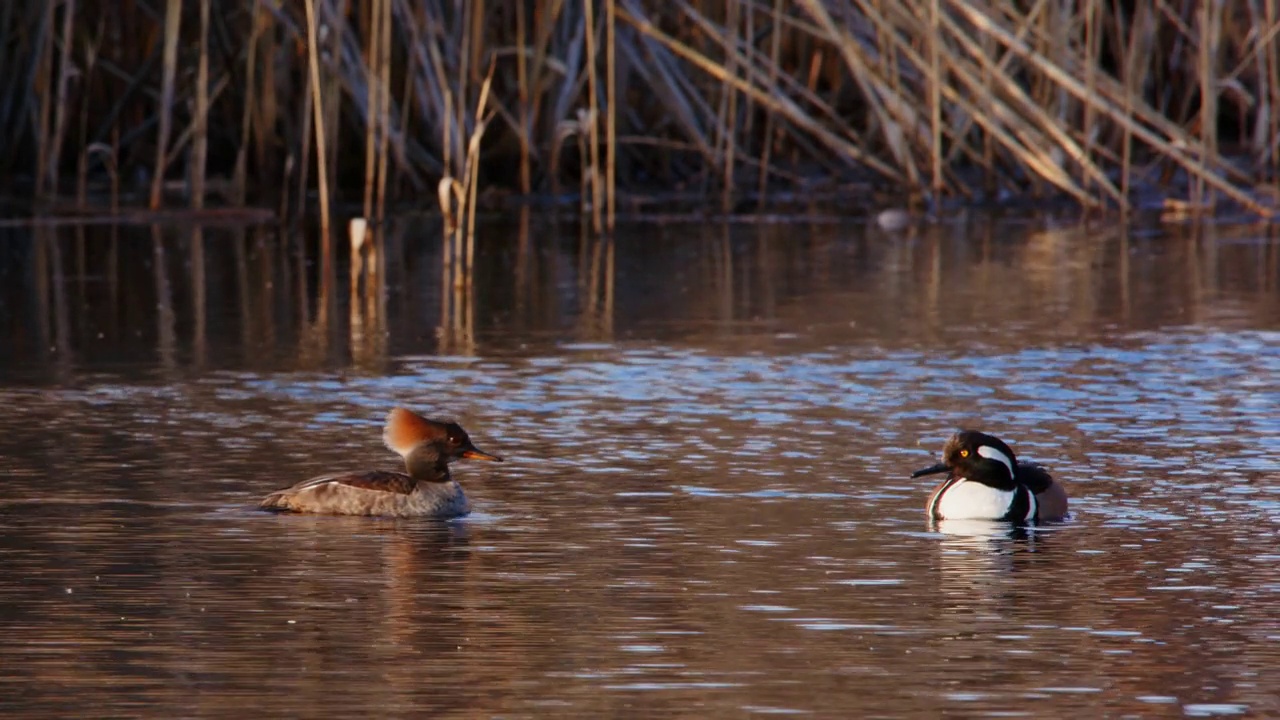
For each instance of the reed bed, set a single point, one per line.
(612, 105)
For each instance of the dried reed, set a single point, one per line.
(1103, 102)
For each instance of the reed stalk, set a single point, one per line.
(766, 148)
(728, 107)
(335, 22)
(63, 106)
(1093, 100)
(317, 107)
(522, 98)
(172, 27)
(458, 208)
(373, 57)
(91, 48)
(611, 116)
(200, 145)
(44, 71)
(1269, 108)
(935, 96)
(384, 112)
(240, 171)
(593, 113)
(473, 171)
(1210, 28)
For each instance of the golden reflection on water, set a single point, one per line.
(946, 282)
(706, 509)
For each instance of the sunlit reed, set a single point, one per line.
(747, 101)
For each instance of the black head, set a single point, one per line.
(979, 457)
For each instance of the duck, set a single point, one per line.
(426, 489)
(985, 481)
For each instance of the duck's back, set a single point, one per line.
(387, 494)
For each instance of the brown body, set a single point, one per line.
(386, 494)
(426, 490)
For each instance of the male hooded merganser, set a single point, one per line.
(985, 481)
(427, 447)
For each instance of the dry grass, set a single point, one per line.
(1112, 104)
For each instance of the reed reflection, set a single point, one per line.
(366, 296)
(256, 297)
(597, 277)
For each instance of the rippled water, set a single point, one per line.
(706, 508)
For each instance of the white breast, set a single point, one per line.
(966, 500)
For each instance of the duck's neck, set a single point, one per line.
(424, 464)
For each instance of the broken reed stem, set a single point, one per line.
(172, 26)
(458, 208)
(473, 170)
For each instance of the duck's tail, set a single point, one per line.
(275, 502)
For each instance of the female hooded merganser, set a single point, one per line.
(427, 447)
(985, 481)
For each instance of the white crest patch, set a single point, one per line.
(991, 453)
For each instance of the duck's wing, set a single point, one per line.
(379, 480)
(1034, 477)
(1051, 498)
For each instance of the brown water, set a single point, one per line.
(706, 509)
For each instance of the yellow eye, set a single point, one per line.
(964, 453)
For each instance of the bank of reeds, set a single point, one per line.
(600, 104)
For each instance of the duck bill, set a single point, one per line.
(473, 453)
(931, 470)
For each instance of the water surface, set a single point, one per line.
(706, 509)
